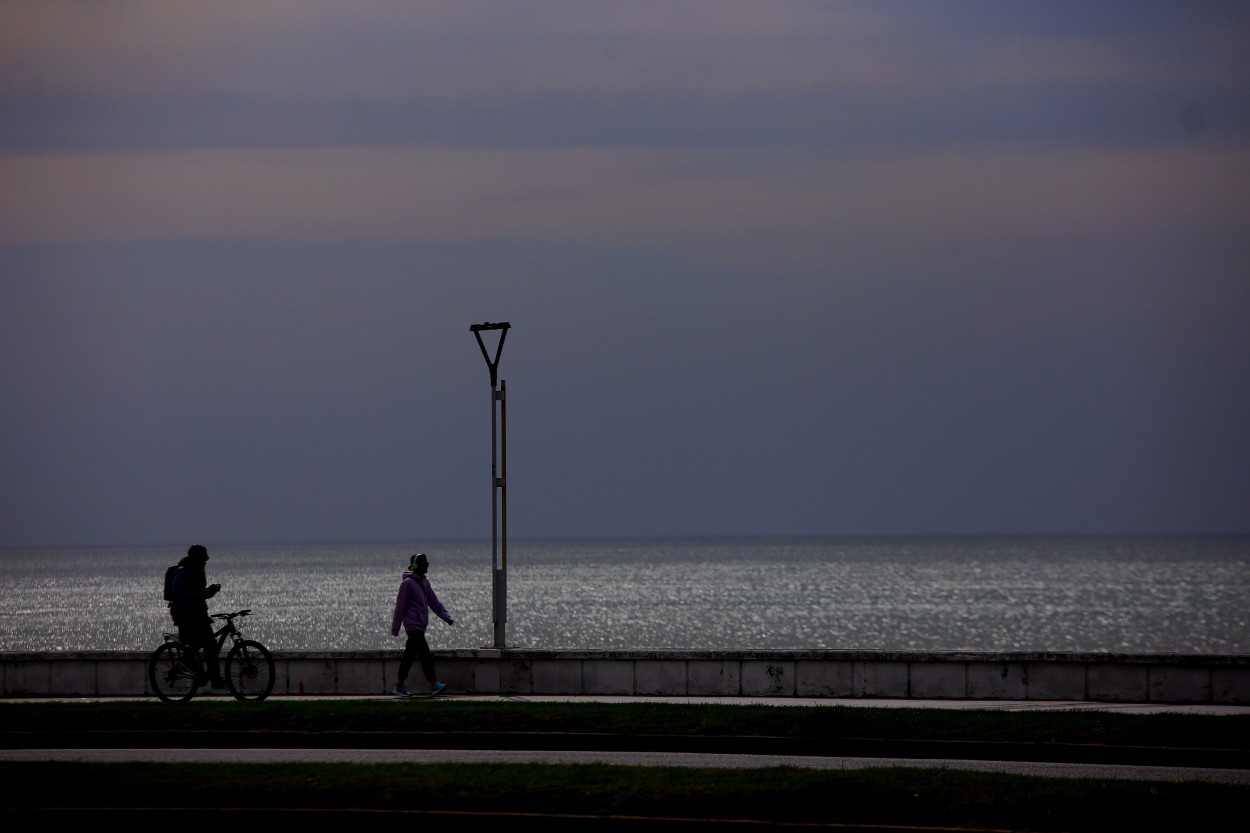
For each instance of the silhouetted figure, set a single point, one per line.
(416, 598)
(190, 611)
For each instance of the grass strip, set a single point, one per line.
(943, 798)
(1195, 731)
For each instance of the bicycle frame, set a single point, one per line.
(230, 629)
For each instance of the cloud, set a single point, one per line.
(784, 205)
(451, 51)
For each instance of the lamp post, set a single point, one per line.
(498, 481)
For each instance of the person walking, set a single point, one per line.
(415, 600)
(188, 606)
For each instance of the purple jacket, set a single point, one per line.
(416, 597)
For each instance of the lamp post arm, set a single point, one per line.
(477, 333)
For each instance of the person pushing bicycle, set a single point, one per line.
(189, 608)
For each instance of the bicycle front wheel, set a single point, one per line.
(249, 670)
(170, 674)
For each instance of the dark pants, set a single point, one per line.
(199, 635)
(417, 647)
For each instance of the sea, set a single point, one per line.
(1062, 594)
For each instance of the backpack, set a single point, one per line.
(169, 583)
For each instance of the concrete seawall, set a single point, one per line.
(1131, 678)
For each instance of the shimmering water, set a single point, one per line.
(1187, 595)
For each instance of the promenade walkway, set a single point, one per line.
(854, 702)
(890, 703)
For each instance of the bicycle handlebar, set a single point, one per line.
(228, 616)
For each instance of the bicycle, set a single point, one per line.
(175, 671)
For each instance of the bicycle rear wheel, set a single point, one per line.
(170, 673)
(249, 670)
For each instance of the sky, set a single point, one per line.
(775, 268)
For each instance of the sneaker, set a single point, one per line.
(401, 691)
(437, 688)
